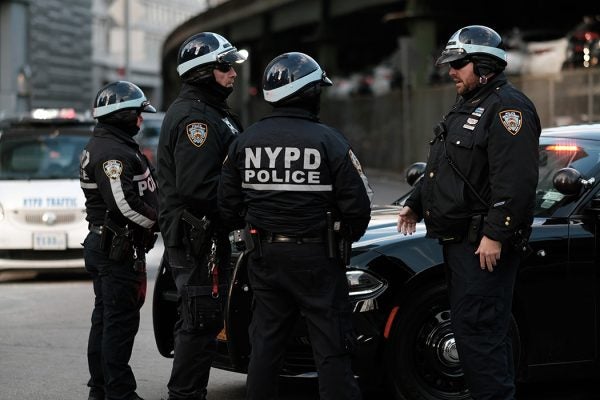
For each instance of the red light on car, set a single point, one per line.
(563, 147)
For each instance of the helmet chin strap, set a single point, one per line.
(484, 78)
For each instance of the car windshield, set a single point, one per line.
(45, 156)
(556, 153)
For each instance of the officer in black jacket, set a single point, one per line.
(477, 198)
(196, 132)
(122, 210)
(283, 176)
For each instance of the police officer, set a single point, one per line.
(122, 210)
(283, 175)
(477, 198)
(196, 132)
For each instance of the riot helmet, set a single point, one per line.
(290, 75)
(203, 52)
(118, 96)
(479, 44)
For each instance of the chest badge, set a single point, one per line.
(113, 168)
(197, 132)
(512, 120)
(232, 128)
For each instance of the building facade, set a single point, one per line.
(58, 53)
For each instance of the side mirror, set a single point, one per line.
(569, 181)
(415, 172)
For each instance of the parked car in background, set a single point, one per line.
(535, 52)
(149, 133)
(42, 206)
(583, 49)
(399, 296)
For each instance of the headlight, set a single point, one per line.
(362, 282)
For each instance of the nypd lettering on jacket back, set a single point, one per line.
(284, 168)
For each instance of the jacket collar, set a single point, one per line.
(476, 96)
(292, 112)
(105, 130)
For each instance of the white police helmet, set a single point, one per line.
(290, 73)
(118, 96)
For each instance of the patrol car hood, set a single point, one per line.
(54, 194)
(383, 229)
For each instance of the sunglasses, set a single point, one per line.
(223, 67)
(458, 64)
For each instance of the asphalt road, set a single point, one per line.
(44, 324)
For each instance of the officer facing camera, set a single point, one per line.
(122, 210)
(477, 198)
(301, 192)
(196, 132)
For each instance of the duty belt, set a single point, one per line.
(271, 237)
(96, 228)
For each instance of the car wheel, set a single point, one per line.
(423, 363)
(422, 360)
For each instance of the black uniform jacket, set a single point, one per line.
(287, 170)
(492, 137)
(194, 138)
(117, 177)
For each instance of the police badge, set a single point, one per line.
(197, 132)
(113, 168)
(512, 121)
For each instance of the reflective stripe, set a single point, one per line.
(125, 208)
(288, 187)
(142, 177)
(91, 185)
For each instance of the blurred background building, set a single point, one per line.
(58, 53)
(387, 94)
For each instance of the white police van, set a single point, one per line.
(42, 206)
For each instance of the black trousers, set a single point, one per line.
(200, 319)
(292, 279)
(119, 292)
(481, 303)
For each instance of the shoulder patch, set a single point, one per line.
(113, 168)
(355, 162)
(197, 132)
(512, 120)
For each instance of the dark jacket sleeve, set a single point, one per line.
(351, 191)
(230, 197)
(120, 192)
(513, 162)
(198, 164)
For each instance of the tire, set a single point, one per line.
(422, 361)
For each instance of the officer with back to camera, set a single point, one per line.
(289, 176)
(196, 132)
(477, 198)
(122, 210)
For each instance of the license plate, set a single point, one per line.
(49, 241)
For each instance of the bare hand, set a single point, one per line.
(407, 221)
(489, 253)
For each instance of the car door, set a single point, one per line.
(556, 296)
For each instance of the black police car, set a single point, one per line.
(398, 292)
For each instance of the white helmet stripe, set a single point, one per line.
(109, 108)
(290, 88)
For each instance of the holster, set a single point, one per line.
(117, 240)
(196, 233)
(475, 227)
(251, 238)
(338, 246)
